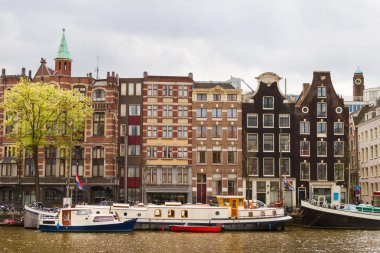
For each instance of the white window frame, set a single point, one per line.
(268, 159)
(254, 115)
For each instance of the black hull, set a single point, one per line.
(322, 219)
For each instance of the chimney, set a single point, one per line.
(145, 73)
(113, 74)
(191, 75)
(90, 75)
(23, 71)
(3, 72)
(306, 87)
(108, 74)
(30, 74)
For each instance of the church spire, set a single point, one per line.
(63, 50)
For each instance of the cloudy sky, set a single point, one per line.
(213, 39)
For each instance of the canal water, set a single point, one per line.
(294, 239)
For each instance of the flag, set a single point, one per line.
(79, 183)
(287, 184)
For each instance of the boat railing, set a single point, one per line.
(367, 209)
(48, 216)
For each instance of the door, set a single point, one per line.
(234, 207)
(301, 194)
(201, 188)
(66, 217)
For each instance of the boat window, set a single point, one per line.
(217, 213)
(171, 213)
(82, 212)
(103, 218)
(184, 214)
(250, 214)
(157, 213)
(241, 202)
(274, 213)
(262, 213)
(125, 214)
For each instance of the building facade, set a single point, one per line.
(267, 143)
(216, 144)
(322, 127)
(167, 138)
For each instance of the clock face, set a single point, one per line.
(358, 81)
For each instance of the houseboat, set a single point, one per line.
(33, 211)
(319, 215)
(83, 220)
(231, 212)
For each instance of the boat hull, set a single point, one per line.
(196, 229)
(125, 226)
(31, 217)
(321, 217)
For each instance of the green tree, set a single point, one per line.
(42, 114)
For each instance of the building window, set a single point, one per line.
(182, 175)
(268, 102)
(134, 130)
(231, 97)
(268, 143)
(321, 129)
(167, 132)
(62, 162)
(122, 150)
(166, 175)
(150, 175)
(284, 142)
(216, 184)
(201, 113)
(151, 152)
(138, 89)
(284, 166)
(321, 148)
(304, 148)
(122, 129)
(152, 110)
(231, 113)
(99, 95)
(252, 120)
(167, 110)
(268, 166)
(182, 90)
(232, 184)
(50, 162)
(133, 150)
(232, 155)
(201, 155)
(182, 111)
(304, 127)
(216, 112)
(339, 128)
(123, 110)
(201, 97)
(216, 97)
(182, 152)
(81, 90)
(152, 131)
(217, 155)
(29, 164)
(133, 172)
(9, 169)
(252, 166)
(231, 132)
(167, 152)
(304, 171)
(134, 110)
(217, 132)
(338, 171)
(77, 162)
(268, 120)
(131, 89)
(152, 90)
(167, 90)
(322, 172)
(321, 110)
(284, 120)
(321, 91)
(252, 142)
(97, 161)
(201, 131)
(182, 132)
(338, 148)
(98, 124)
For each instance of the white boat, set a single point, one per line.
(232, 212)
(343, 216)
(83, 220)
(32, 212)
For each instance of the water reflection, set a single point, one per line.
(292, 240)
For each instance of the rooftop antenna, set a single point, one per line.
(97, 67)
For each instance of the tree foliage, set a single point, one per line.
(41, 114)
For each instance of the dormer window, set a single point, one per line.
(99, 95)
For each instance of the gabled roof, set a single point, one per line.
(44, 70)
(63, 50)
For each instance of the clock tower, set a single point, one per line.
(358, 88)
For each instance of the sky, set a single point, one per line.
(212, 39)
